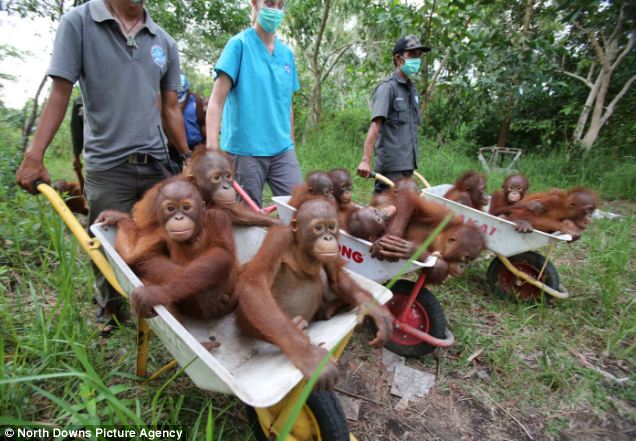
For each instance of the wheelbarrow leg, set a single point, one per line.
(534, 282)
(143, 336)
(272, 419)
(290, 400)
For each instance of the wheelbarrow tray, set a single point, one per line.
(501, 236)
(253, 370)
(356, 251)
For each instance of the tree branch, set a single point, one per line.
(588, 83)
(431, 86)
(323, 25)
(617, 98)
(344, 49)
(619, 24)
(336, 51)
(30, 122)
(590, 74)
(595, 44)
(626, 50)
(599, 50)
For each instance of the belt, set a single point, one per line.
(140, 158)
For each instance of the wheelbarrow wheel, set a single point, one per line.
(426, 314)
(505, 284)
(322, 418)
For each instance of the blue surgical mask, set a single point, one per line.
(411, 66)
(270, 18)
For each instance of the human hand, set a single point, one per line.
(364, 168)
(31, 170)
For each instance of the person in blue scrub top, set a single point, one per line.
(251, 105)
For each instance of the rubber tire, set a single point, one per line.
(530, 260)
(426, 303)
(327, 411)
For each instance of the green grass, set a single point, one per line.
(56, 370)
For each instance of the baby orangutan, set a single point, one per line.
(283, 287)
(342, 193)
(183, 252)
(512, 191)
(415, 219)
(470, 190)
(212, 173)
(569, 212)
(317, 184)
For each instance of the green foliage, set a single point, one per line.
(201, 27)
(10, 154)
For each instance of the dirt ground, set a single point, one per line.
(455, 409)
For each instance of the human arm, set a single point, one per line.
(32, 167)
(173, 120)
(291, 123)
(200, 114)
(382, 97)
(221, 88)
(364, 168)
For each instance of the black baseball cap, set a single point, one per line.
(409, 43)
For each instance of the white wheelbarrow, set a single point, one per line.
(420, 323)
(255, 371)
(517, 269)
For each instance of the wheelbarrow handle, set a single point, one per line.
(421, 178)
(89, 244)
(390, 183)
(382, 178)
(248, 200)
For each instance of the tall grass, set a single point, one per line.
(340, 141)
(56, 370)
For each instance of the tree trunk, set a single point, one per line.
(590, 136)
(510, 105)
(317, 68)
(610, 57)
(30, 122)
(503, 133)
(315, 106)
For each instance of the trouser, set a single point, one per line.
(392, 175)
(281, 172)
(117, 188)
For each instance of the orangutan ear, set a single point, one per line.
(187, 171)
(294, 225)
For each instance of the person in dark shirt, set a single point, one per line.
(395, 117)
